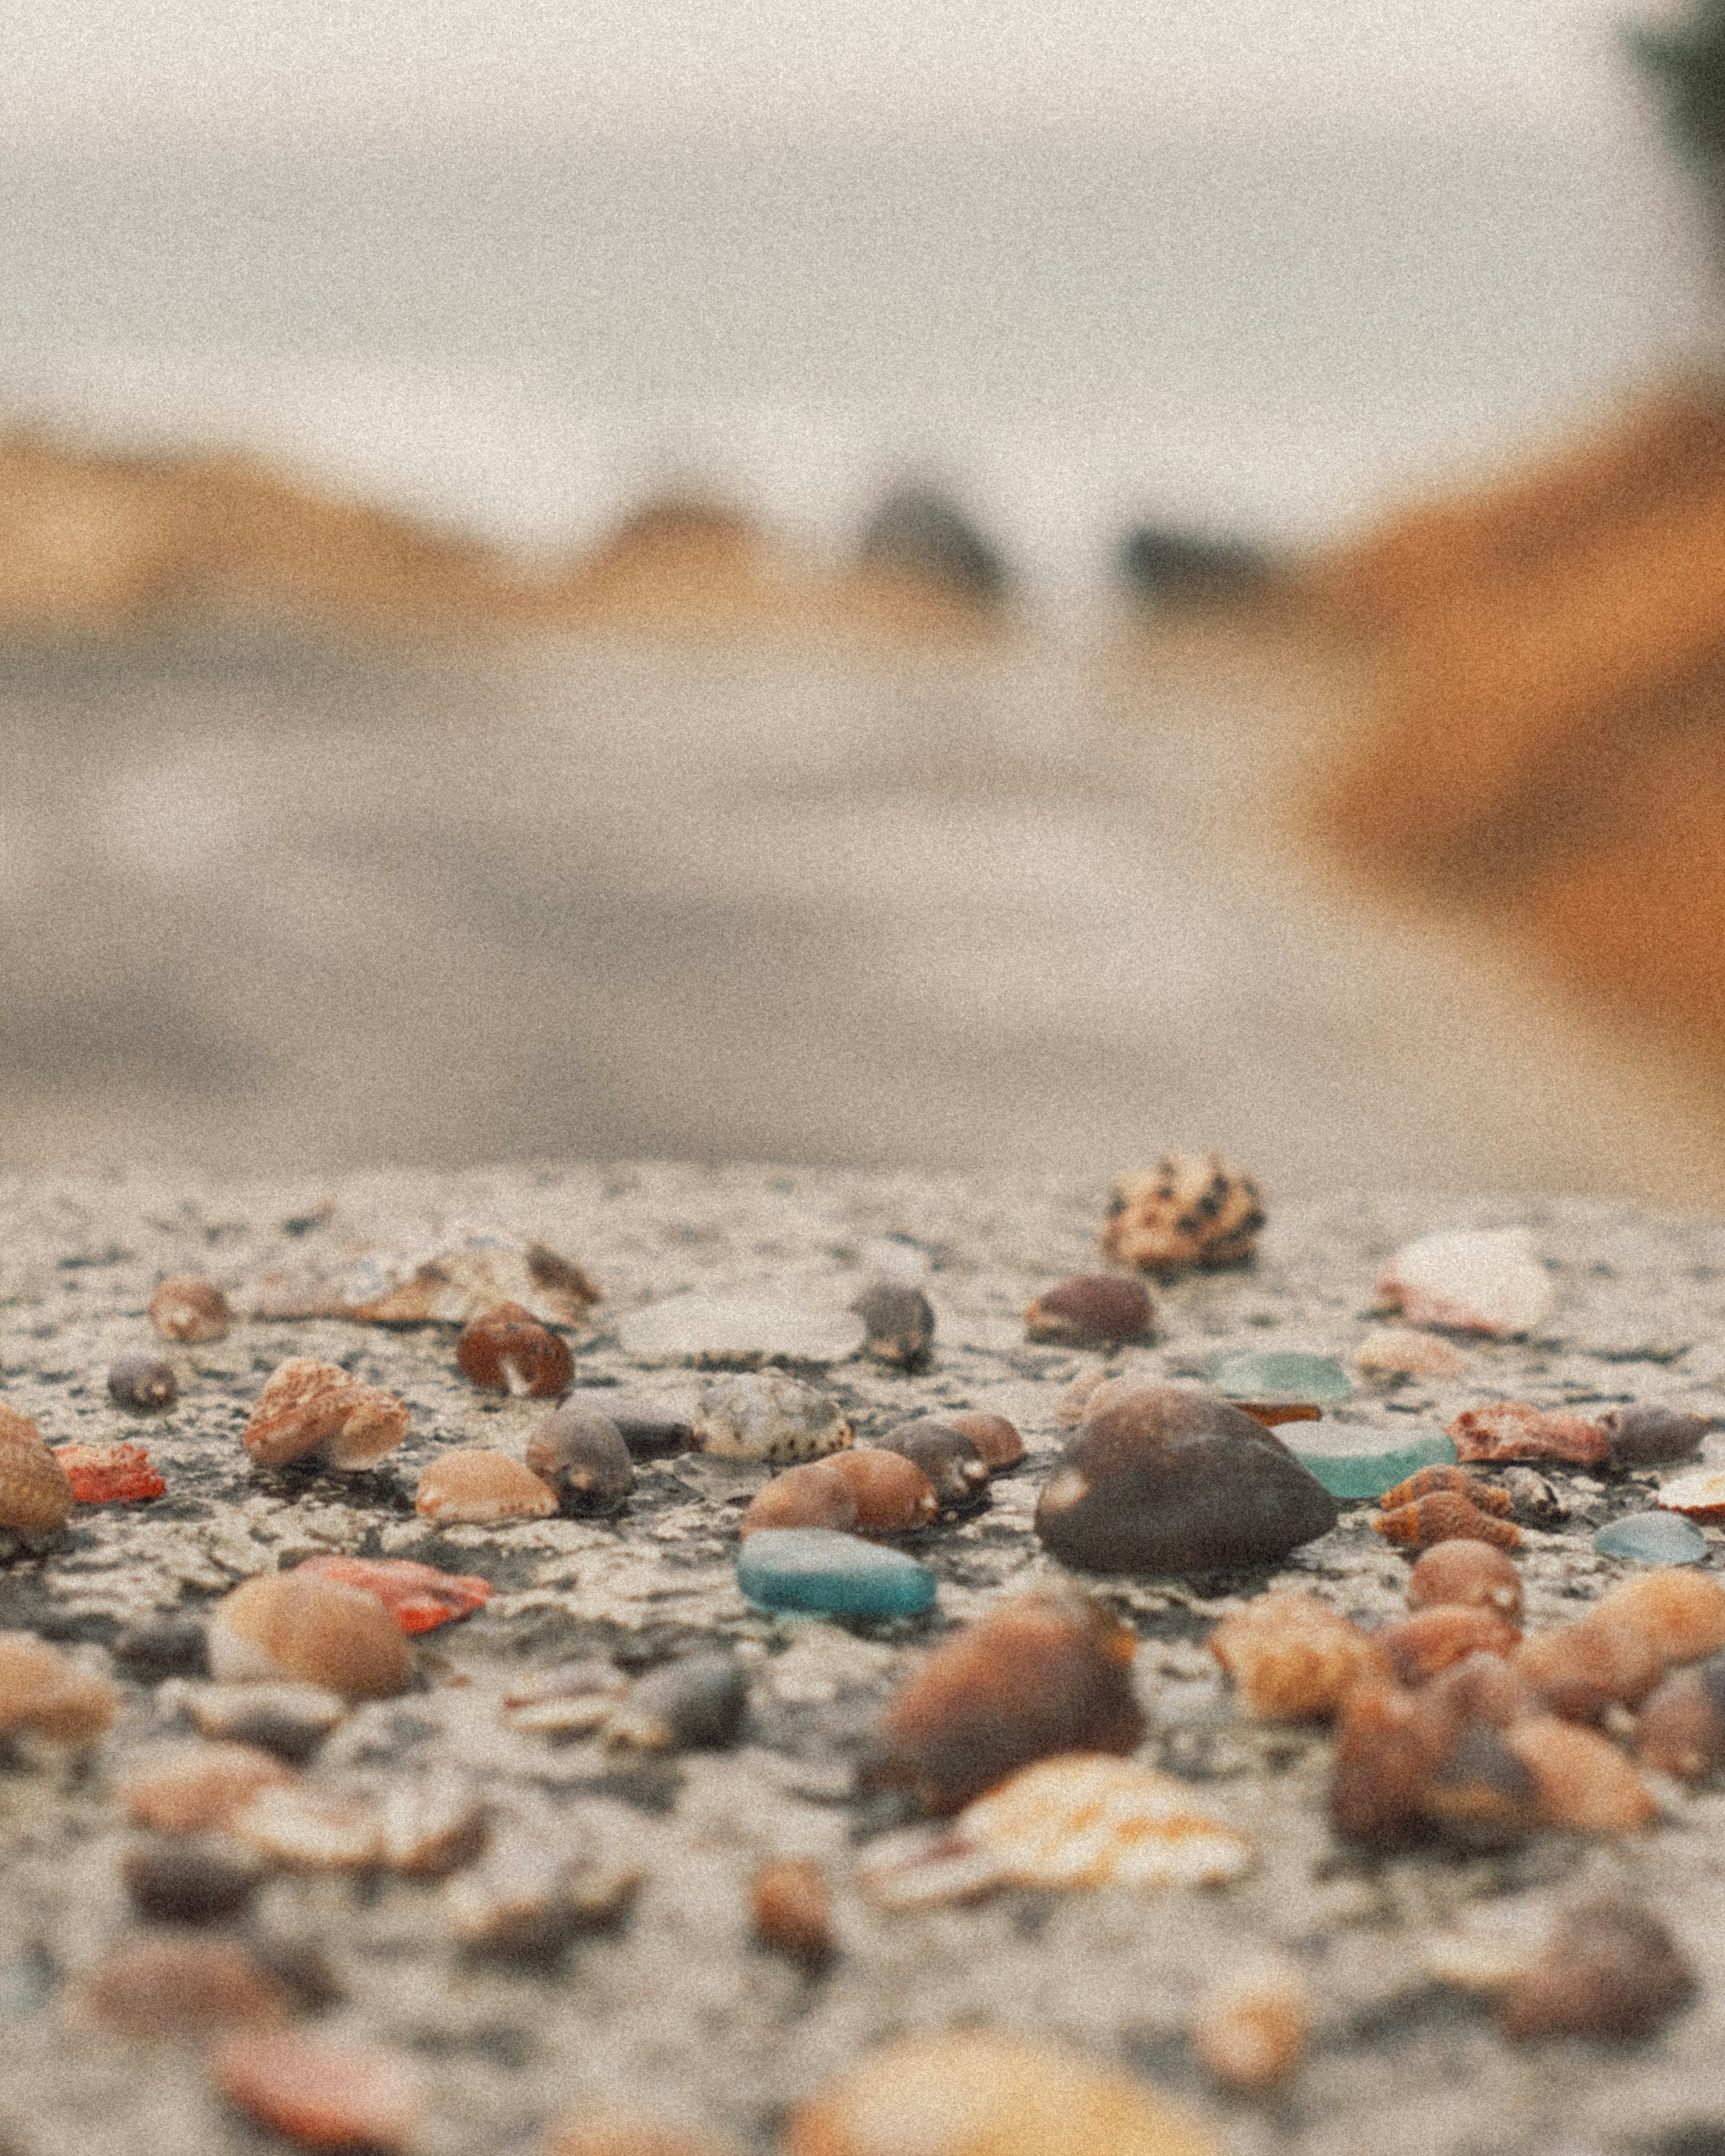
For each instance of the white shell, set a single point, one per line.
(1484, 1280)
(1703, 1489)
(768, 1416)
(1094, 1820)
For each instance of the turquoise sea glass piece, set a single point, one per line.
(1253, 1373)
(826, 1573)
(1360, 1460)
(1654, 1537)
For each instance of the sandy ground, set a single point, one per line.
(266, 904)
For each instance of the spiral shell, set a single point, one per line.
(294, 1625)
(1452, 1482)
(1190, 1210)
(316, 1407)
(36, 1498)
(1444, 1517)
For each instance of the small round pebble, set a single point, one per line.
(578, 1451)
(145, 1382)
(899, 1325)
(792, 1904)
(827, 1573)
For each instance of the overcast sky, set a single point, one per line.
(94, 67)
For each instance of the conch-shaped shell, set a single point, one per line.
(1190, 1210)
(316, 1407)
(36, 1497)
(294, 1625)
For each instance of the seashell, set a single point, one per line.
(1681, 1728)
(1484, 1688)
(1467, 1571)
(618, 2133)
(505, 1349)
(1190, 1210)
(308, 1407)
(1390, 1744)
(957, 1471)
(791, 1906)
(320, 2095)
(1610, 1970)
(290, 1720)
(36, 1499)
(197, 1787)
(1580, 1669)
(109, 1474)
(1680, 1613)
(188, 1308)
(1292, 1658)
(1434, 1638)
(1089, 1385)
(1533, 1497)
(1091, 1310)
(1444, 1517)
(1086, 1819)
(293, 1624)
(307, 1830)
(650, 1433)
(898, 1323)
(697, 1703)
(1584, 1783)
(1647, 1436)
(143, 1381)
(1162, 1479)
(567, 1701)
(146, 1989)
(579, 1453)
(1252, 2025)
(481, 1488)
(1700, 1496)
(891, 1494)
(1453, 1481)
(191, 1878)
(765, 1415)
(1515, 1429)
(1047, 1673)
(1472, 1281)
(998, 1440)
(1482, 1790)
(1398, 1350)
(976, 2092)
(417, 1596)
(431, 1828)
(923, 1867)
(43, 1691)
(527, 1903)
(811, 1496)
(445, 1283)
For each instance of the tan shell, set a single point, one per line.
(1090, 1819)
(36, 1498)
(1292, 1658)
(1585, 1784)
(1253, 2025)
(809, 1495)
(44, 1691)
(321, 2095)
(1190, 1210)
(316, 1407)
(294, 1625)
(892, 1494)
(1463, 1570)
(614, 2133)
(308, 1830)
(1401, 1351)
(167, 1986)
(196, 1788)
(482, 1488)
(1678, 1610)
(188, 1307)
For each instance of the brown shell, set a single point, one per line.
(482, 1488)
(1464, 1570)
(44, 1690)
(36, 1496)
(188, 1307)
(149, 1989)
(1445, 1516)
(1434, 1639)
(1091, 1310)
(1610, 1970)
(998, 1440)
(295, 1625)
(507, 1350)
(307, 1406)
(198, 1786)
(892, 1495)
(1678, 1609)
(1294, 1659)
(1430, 1481)
(792, 1904)
(1585, 1784)
(1484, 1688)
(1388, 1745)
(1681, 1728)
(578, 1452)
(1580, 1669)
(321, 2095)
(1515, 1429)
(1480, 1790)
(1190, 1210)
(811, 1496)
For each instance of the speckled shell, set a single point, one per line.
(1610, 1970)
(891, 1494)
(321, 2095)
(507, 1350)
(44, 1690)
(188, 1308)
(1091, 1310)
(1580, 1669)
(1585, 1784)
(973, 2092)
(1444, 1517)
(293, 1624)
(1294, 1659)
(791, 1906)
(1467, 1571)
(145, 1989)
(1514, 1429)
(812, 1496)
(1434, 1638)
(1190, 1210)
(765, 1415)
(1677, 1609)
(482, 1489)
(1253, 2025)
(36, 1498)
(1093, 1820)
(307, 1406)
(1398, 1350)
(198, 1786)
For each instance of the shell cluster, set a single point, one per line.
(1191, 1210)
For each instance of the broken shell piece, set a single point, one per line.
(417, 1596)
(309, 1406)
(791, 1906)
(505, 1349)
(1533, 1497)
(1444, 1517)
(1484, 1281)
(1700, 1496)
(1470, 1572)
(430, 1828)
(293, 1624)
(1652, 1437)
(579, 1453)
(527, 1903)
(195, 1787)
(188, 1308)
(898, 1323)
(811, 1496)
(320, 2095)
(1610, 1970)
(1395, 1352)
(696, 1703)
(36, 1498)
(1252, 2025)
(482, 1489)
(447, 1283)
(891, 1494)
(1091, 1310)
(109, 1474)
(957, 1471)
(998, 1440)
(146, 1989)
(1515, 1429)
(1292, 1658)
(307, 1830)
(290, 1720)
(1094, 1820)
(43, 1691)
(768, 1416)
(568, 1701)
(1190, 1210)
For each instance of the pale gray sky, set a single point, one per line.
(98, 67)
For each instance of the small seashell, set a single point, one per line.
(1047, 1673)
(1531, 1498)
(1434, 1638)
(527, 1903)
(145, 1382)
(191, 1878)
(1701, 1495)
(697, 1703)
(417, 1596)
(978, 2092)
(307, 1830)
(1680, 1613)
(146, 1989)
(1453, 1481)
(1681, 1728)
(899, 1325)
(891, 1494)
(431, 1828)
(579, 1453)
(1585, 1784)
(109, 1474)
(765, 1415)
(650, 1433)
(1091, 1310)
(1253, 2025)
(791, 1906)
(1484, 1688)
(445, 1283)
(924, 1867)
(1580, 1669)
(998, 1440)
(481, 1488)
(308, 1407)
(290, 1720)
(195, 1787)
(620, 2133)
(293, 1624)
(36, 1499)
(505, 1349)
(1466, 1572)
(811, 1496)
(1190, 1210)
(1648, 1435)
(1515, 1429)
(320, 2095)
(1292, 1658)
(44, 1692)
(567, 1701)
(1442, 1517)
(1398, 1350)
(1480, 1790)
(1390, 1744)
(1610, 1970)
(1088, 1820)
(188, 1308)
(957, 1471)
(1481, 1281)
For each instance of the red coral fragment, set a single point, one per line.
(109, 1474)
(417, 1596)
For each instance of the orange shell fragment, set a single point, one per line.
(109, 1474)
(417, 1596)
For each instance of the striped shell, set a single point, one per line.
(36, 1497)
(1089, 1819)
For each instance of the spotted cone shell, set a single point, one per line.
(1190, 1209)
(36, 1497)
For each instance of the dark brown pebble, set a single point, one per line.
(792, 1909)
(1611, 1970)
(191, 1878)
(899, 1325)
(144, 1381)
(1649, 1435)
(950, 1460)
(998, 1441)
(648, 1432)
(580, 1452)
(507, 1350)
(163, 1647)
(1091, 1310)
(696, 1704)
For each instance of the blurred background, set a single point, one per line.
(941, 587)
